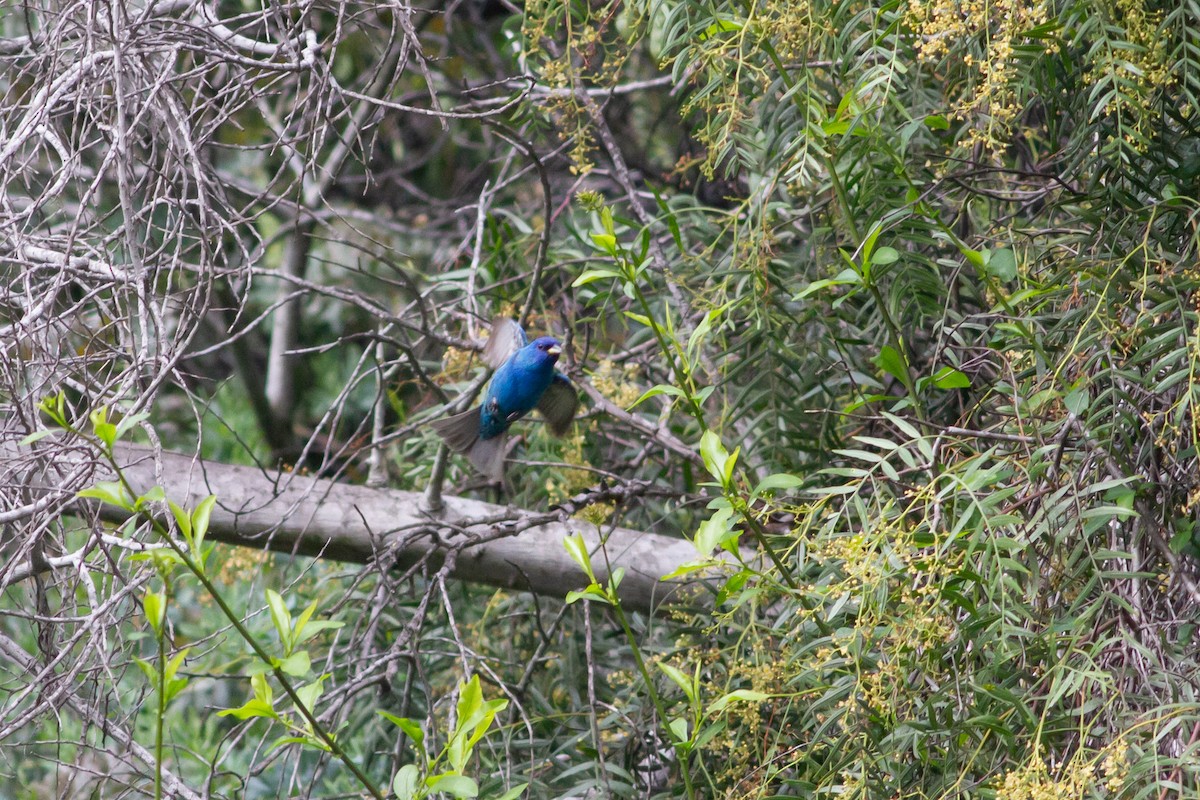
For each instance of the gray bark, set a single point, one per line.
(499, 546)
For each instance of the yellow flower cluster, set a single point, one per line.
(948, 29)
(897, 586)
(239, 566)
(1037, 780)
(735, 752)
(1142, 72)
(618, 385)
(567, 482)
(1114, 769)
(791, 25)
(594, 50)
(456, 364)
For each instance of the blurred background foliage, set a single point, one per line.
(934, 262)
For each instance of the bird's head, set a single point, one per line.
(546, 348)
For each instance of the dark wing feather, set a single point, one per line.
(507, 337)
(559, 403)
(461, 434)
(459, 431)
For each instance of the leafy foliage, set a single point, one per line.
(892, 306)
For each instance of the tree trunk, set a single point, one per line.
(497, 545)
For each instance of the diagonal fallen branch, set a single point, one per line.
(496, 545)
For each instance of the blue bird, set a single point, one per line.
(525, 379)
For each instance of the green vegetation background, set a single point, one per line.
(929, 268)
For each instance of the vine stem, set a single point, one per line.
(619, 612)
(654, 696)
(237, 624)
(161, 631)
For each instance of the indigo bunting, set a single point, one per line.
(525, 379)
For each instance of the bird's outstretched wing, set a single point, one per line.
(459, 431)
(559, 403)
(507, 337)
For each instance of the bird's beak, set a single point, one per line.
(554, 350)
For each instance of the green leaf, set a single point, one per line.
(305, 627)
(720, 26)
(164, 560)
(253, 708)
(148, 669)
(124, 426)
(281, 617)
(1002, 264)
(593, 592)
(974, 257)
(679, 729)
(301, 622)
(614, 580)
(738, 695)
(592, 275)
(714, 454)
(200, 518)
(307, 741)
(515, 792)
(577, 549)
(847, 277)
(175, 662)
(891, 362)
(405, 784)
(297, 664)
(702, 331)
(410, 727)
(730, 463)
(642, 319)
(470, 702)
(606, 242)
(709, 733)
(173, 687)
(950, 378)
(110, 492)
(154, 605)
(688, 569)
(1077, 401)
(661, 388)
(154, 494)
(868, 246)
(780, 480)
(885, 255)
(681, 680)
(36, 436)
(261, 688)
(1179, 541)
(733, 586)
(315, 627)
(54, 406)
(713, 532)
(937, 123)
(105, 431)
(454, 785)
(309, 693)
(183, 520)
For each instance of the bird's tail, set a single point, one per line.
(460, 432)
(488, 456)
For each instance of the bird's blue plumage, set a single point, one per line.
(517, 386)
(525, 379)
